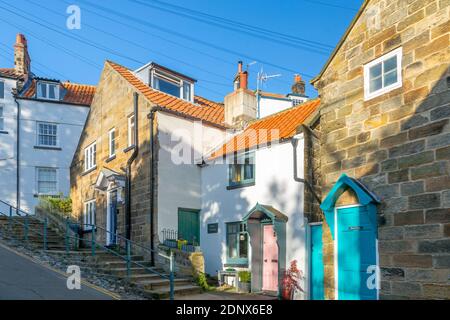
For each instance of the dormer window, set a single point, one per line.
(172, 85)
(47, 90)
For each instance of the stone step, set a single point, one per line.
(120, 264)
(164, 293)
(159, 283)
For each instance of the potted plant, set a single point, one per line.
(244, 283)
(290, 283)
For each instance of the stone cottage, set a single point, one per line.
(384, 128)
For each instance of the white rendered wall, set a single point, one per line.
(70, 120)
(269, 105)
(274, 185)
(179, 184)
(8, 165)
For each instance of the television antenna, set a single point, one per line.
(261, 79)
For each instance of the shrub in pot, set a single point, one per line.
(244, 283)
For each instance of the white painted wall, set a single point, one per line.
(269, 105)
(179, 184)
(274, 185)
(8, 146)
(70, 120)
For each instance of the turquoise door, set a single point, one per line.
(356, 242)
(316, 267)
(189, 225)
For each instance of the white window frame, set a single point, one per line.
(2, 92)
(90, 155)
(370, 95)
(53, 193)
(38, 123)
(131, 130)
(112, 142)
(89, 212)
(47, 84)
(2, 117)
(180, 82)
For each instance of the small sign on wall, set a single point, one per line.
(213, 227)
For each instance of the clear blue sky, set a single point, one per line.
(177, 41)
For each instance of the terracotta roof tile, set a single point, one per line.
(202, 108)
(10, 73)
(73, 93)
(279, 126)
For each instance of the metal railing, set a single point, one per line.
(172, 239)
(122, 247)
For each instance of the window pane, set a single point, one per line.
(51, 91)
(167, 87)
(375, 84)
(2, 90)
(232, 246)
(243, 245)
(46, 180)
(43, 87)
(390, 64)
(390, 78)
(186, 91)
(375, 71)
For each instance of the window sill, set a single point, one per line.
(48, 148)
(242, 185)
(3, 132)
(128, 148)
(89, 171)
(111, 158)
(53, 195)
(236, 264)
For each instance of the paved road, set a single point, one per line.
(21, 278)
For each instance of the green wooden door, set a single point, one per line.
(189, 225)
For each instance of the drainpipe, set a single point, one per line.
(296, 178)
(151, 117)
(18, 156)
(128, 170)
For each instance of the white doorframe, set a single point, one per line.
(336, 296)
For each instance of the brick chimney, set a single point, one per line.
(240, 105)
(299, 85)
(22, 61)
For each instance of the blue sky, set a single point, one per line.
(130, 33)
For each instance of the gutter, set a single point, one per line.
(128, 170)
(18, 156)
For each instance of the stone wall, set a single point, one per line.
(112, 105)
(397, 144)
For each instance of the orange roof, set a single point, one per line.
(280, 126)
(10, 73)
(273, 95)
(202, 108)
(72, 92)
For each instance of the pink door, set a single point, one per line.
(270, 259)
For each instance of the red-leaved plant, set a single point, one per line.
(290, 282)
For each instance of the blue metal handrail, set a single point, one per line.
(94, 242)
(127, 257)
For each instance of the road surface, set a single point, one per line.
(22, 278)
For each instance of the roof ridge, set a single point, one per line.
(79, 84)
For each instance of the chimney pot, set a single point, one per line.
(239, 66)
(299, 85)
